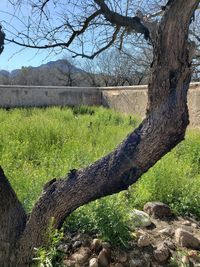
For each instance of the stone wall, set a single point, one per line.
(40, 96)
(134, 99)
(130, 99)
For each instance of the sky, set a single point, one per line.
(13, 57)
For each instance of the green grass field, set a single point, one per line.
(39, 144)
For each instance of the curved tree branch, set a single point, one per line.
(57, 44)
(163, 128)
(85, 26)
(132, 23)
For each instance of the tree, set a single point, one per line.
(162, 129)
(2, 38)
(68, 76)
(119, 68)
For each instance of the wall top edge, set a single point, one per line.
(110, 88)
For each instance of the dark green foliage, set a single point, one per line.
(83, 110)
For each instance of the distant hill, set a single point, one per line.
(59, 72)
(63, 73)
(61, 64)
(4, 73)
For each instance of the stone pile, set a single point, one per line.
(168, 240)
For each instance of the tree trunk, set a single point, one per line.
(2, 37)
(163, 128)
(12, 221)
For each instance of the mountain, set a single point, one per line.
(14, 73)
(61, 64)
(4, 73)
(54, 73)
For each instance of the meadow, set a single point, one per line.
(37, 145)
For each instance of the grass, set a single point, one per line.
(175, 179)
(39, 144)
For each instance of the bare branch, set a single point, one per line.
(37, 46)
(122, 39)
(132, 23)
(195, 35)
(85, 26)
(103, 48)
(43, 5)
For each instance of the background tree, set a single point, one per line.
(119, 68)
(162, 129)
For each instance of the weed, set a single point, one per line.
(49, 256)
(83, 110)
(38, 144)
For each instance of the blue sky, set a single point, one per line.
(13, 57)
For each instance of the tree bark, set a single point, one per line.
(12, 221)
(2, 37)
(163, 128)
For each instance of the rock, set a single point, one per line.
(118, 265)
(139, 233)
(63, 248)
(106, 245)
(186, 239)
(144, 240)
(136, 263)
(96, 245)
(147, 259)
(83, 238)
(135, 254)
(69, 263)
(155, 264)
(186, 223)
(194, 225)
(193, 257)
(123, 257)
(104, 258)
(169, 244)
(157, 210)
(81, 256)
(166, 231)
(93, 263)
(77, 237)
(86, 243)
(185, 260)
(77, 244)
(139, 218)
(161, 253)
